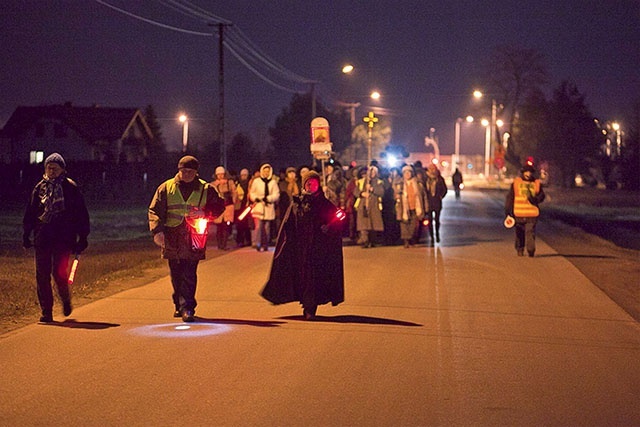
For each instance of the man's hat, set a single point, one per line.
(188, 162)
(55, 158)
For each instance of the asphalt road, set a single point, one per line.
(465, 333)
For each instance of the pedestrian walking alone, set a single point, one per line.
(523, 198)
(58, 218)
(179, 207)
(307, 264)
(456, 180)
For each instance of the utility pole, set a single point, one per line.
(221, 137)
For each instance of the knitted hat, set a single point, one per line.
(291, 169)
(220, 169)
(188, 162)
(407, 168)
(310, 175)
(528, 168)
(55, 158)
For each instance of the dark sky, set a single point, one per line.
(423, 56)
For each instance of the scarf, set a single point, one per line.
(52, 197)
(266, 187)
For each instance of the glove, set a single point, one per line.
(158, 239)
(80, 245)
(26, 241)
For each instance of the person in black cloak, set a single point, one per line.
(307, 263)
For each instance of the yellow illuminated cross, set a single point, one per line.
(371, 119)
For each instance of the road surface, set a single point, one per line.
(463, 333)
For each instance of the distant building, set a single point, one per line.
(113, 135)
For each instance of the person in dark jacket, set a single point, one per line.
(456, 179)
(179, 207)
(436, 189)
(307, 264)
(59, 220)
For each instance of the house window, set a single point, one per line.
(59, 131)
(36, 157)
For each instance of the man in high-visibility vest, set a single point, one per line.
(521, 203)
(178, 216)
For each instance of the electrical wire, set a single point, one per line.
(240, 46)
(152, 22)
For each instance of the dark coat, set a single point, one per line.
(67, 226)
(307, 265)
(439, 188)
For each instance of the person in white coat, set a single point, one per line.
(264, 195)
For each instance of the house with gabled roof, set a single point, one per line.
(105, 134)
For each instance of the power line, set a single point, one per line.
(240, 46)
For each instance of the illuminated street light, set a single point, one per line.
(185, 131)
(347, 69)
(456, 135)
(375, 95)
(492, 125)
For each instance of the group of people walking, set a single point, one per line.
(312, 212)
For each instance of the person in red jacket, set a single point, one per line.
(522, 202)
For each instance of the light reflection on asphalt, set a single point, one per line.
(180, 330)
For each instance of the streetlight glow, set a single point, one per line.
(477, 94)
(375, 95)
(185, 131)
(347, 69)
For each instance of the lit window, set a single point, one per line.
(36, 157)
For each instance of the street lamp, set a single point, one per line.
(185, 131)
(456, 135)
(491, 127)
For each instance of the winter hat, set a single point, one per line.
(528, 168)
(220, 169)
(408, 168)
(290, 169)
(265, 166)
(310, 175)
(188, 162)
(55, 158)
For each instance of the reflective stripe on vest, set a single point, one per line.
(177, 207)
(521, 190)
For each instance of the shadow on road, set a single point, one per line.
(351, 318)
(258, 323)
(575, 256)
(74, 324)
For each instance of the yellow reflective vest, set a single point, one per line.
(521, 191)
(177, 207)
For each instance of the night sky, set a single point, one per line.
(423, 56)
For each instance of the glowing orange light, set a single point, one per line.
(201, 225)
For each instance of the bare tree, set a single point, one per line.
(513, 74)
